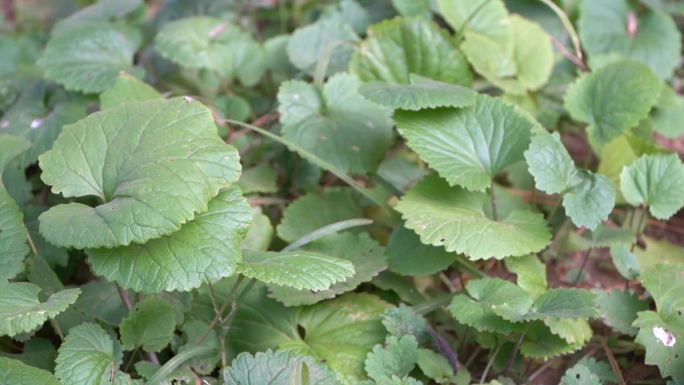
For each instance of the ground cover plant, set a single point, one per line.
(385, 192)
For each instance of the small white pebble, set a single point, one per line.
(35, 123)
(5, 124)
(665, 337)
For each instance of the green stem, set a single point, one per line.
(230, 298)
(489, 364)
(492, 196)
(509, 365)
(567, 24)
(179, 359)
(326, 230)
(582, 266)
(643, 214)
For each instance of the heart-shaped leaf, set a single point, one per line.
(327, 39)
(613, 99)
(588, 198)
(524, 66)
(468, 146)
(332, 123)
(205, 249)
(424, 49)
(656, 181)
(127, 89)
(149, 325)
(456, 219)
(89, 356)
(21, 311)
(153, 165)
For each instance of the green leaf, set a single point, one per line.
(625, 261)
(407, 255)
(150, 325)
(260, 233)
(397, 358)
(619, 309)
(438, 368)
(11, 146)
(456, 219)
(89, 58)
(613, 99)
(44, 130)
(403, 320)
(160, 160)
(477, 309)
(340, 331)
(212, 43)
(588, 198)
(573, 331)
(550, 163)
(531, 274)
(296, 269)
(518, 68)
(315, 210)
(127, 89)
(564, 303)
(259, 179)
(332, 123)
(661, 332)
(420, 94)
(100, 11)
(275, 368)
(423, 48)
(21, 311)
(468, 146)
(13, 246)
(656, 181)
(204, 249)
(412, 7)
(14, 372)
(655, 42)
(540, 342)
(620, 152)
(485, 17)
(668, 114)
(580, 375)
(327, 39)
(89, 356)
(364, 253)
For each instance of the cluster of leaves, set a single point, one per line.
(149, 235)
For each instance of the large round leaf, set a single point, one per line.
(207, 248)
(153, 165)
(456, 219)
(468, 146)
(655, 41)
(89, 58)
(399, 47)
